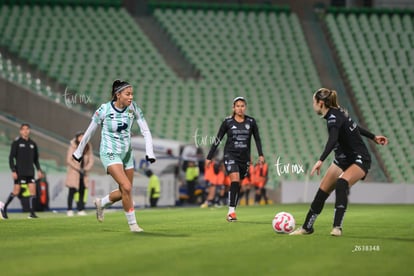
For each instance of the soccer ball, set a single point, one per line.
(283, 223)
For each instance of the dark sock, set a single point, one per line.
(263, 194)
(233, 193)
(70, 197)
(240, 195)
(247, 196)
(341, 201)
(31, 204)
(9, 199)
(257, 198)
(315, 209)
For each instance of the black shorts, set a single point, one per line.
(233, 165)
(24, 180)
(345, 162)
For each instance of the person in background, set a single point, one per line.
(24, 156)
(260, 179)
(76, 175)
(154, 188)
(246, 184)
(215, 184)
(191, 175)
(116, 118)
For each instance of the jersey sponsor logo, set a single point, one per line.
(122, 126)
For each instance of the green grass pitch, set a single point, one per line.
(377, 240)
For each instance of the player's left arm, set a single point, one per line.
(145, 131)
(258, 142)
(379, 139)
(36, 161)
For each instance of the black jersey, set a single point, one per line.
(238, 138)
(23, 155)
(344, 136)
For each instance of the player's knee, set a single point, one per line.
(342, 186)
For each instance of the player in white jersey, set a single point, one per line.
(116, 118)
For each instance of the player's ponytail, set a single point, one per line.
(117, 87)
(329, 97)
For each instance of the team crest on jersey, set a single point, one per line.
(110, 155)
(247, 126)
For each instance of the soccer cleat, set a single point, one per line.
(336, 231)
(301, 231)
(231, 217)
(99, 210)
(69, 213)
(4, 213)
(32, 216)
(204, 205)
(135, 228)
(82, 213)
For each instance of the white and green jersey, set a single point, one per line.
(116, 129)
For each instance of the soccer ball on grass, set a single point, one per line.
(283, 223)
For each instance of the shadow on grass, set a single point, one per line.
(148, 234)
(252, 222)
(165, 235)
(381, 238)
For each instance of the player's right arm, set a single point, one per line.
(90, 131)
(97, 119)
(217, 141)
(12, 156)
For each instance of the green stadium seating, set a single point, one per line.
(376, 53)
(258, 53)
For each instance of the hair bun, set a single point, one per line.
(115, 84)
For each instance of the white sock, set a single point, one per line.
(232, 209)
(130, 215)
(105, 202)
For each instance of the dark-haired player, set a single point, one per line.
(239, 129)
(116, 118)
(352, 160)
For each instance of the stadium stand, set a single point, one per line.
(260, 54)
(375, 49)
(257, 51)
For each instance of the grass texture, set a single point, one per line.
(377, 240)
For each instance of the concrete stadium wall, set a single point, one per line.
(42, 112)
(99, 186)
(362, 192)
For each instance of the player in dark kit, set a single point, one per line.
(23, 155)
(352, 160)
(239, 129)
